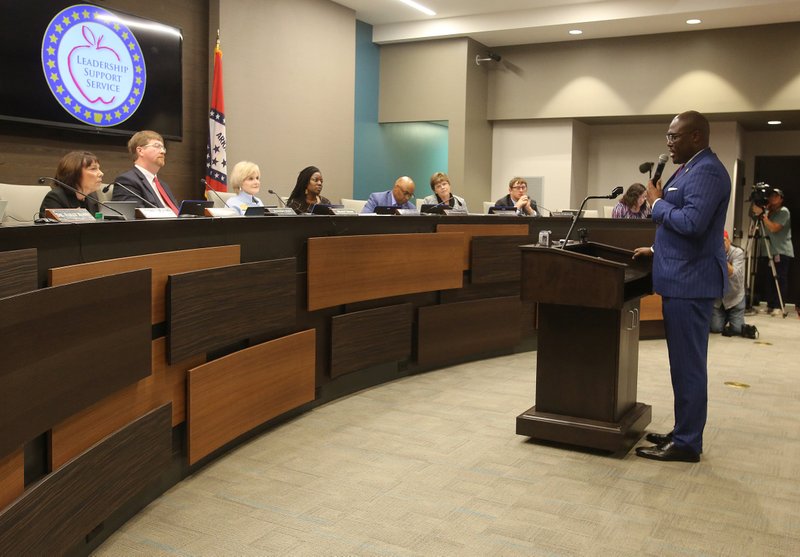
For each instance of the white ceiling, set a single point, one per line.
(508, 22)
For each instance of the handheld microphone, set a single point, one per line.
(614, 193)
(646, 167)
(210, 189)
(43, 179)
(130, 191)
(662, 160)
(278, 196)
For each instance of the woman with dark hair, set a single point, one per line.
(633, 204)
(307, 191)
(81, 170)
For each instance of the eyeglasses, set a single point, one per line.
(671, 137)
(406, 194)
(521, 187)
(157, 146)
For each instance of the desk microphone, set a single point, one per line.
(43, 179)
(613, 195)
(133, 193)
(278, 196)
(646, 167)
(212, 190)
(662, 160)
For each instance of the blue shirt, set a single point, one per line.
(385, 199)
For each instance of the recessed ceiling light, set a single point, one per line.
(694, 21)
(575, 32)
(774, 122)
(419, 7)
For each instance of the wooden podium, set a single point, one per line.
(588, 348)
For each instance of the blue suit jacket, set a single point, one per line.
(689, 256)
(135, 181)
(384, 199)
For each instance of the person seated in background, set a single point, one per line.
(149, 157)
(81, 170)
(440, 184)
(518, 197)
(633, 204)
(307, 191)
(399, 196)
(245, 179)
(728, 313)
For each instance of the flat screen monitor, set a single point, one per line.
(86, 67)
(194, 207)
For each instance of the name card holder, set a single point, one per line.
(461, 212)
(407, 212)
(342, 211)
(221, 212)
(279, 211)
(70, 215)
(154, 213)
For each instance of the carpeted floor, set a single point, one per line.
(430, 465)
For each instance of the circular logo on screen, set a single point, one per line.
(93, 65)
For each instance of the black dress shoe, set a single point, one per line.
(668, 452)
(659, 438)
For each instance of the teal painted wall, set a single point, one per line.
(382, 152)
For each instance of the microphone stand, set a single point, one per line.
(77, 192)
(133, 193)
(212, 190)
(278, 196)
(618, 190)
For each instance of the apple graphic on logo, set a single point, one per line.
(101, 53)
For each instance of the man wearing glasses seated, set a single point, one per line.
(399, 196)
(149, 156)
(518, 197)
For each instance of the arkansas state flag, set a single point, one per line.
(216, 163)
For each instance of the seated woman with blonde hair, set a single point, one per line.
(81, 170)
(246, 182)
(633, 204)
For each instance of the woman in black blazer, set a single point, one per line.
(81, 170)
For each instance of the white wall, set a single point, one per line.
(289, 68)
(528, 148)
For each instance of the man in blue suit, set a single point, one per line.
(689, 271)
(399, 196)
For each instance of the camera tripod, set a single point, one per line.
(757, 231)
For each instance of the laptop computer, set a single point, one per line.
(194, 207)
(127, 208)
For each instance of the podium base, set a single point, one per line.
(608, 436)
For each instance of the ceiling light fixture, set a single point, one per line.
(419, 7)
(575, 32)
(774, 122)
(694, 21)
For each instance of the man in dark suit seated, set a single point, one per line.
(149, 156)
(689, 271)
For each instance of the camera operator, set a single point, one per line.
(778, 232)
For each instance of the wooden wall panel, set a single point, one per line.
(17, 272)
(453, 332)
(214, 308)
(12, 477)
(56, 513)
(166, 384)
(346, 269)
(470, 230)
(236, 393)
(67, 347)
(364, 338)
(162, 264)
(497, 259)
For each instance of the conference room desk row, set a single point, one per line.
(136, 352)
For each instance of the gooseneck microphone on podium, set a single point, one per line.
(613, 195)
(43, 179)
(133, 193)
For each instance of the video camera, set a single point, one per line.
(760, 194)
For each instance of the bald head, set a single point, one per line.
(688, 134)
(403, 189)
